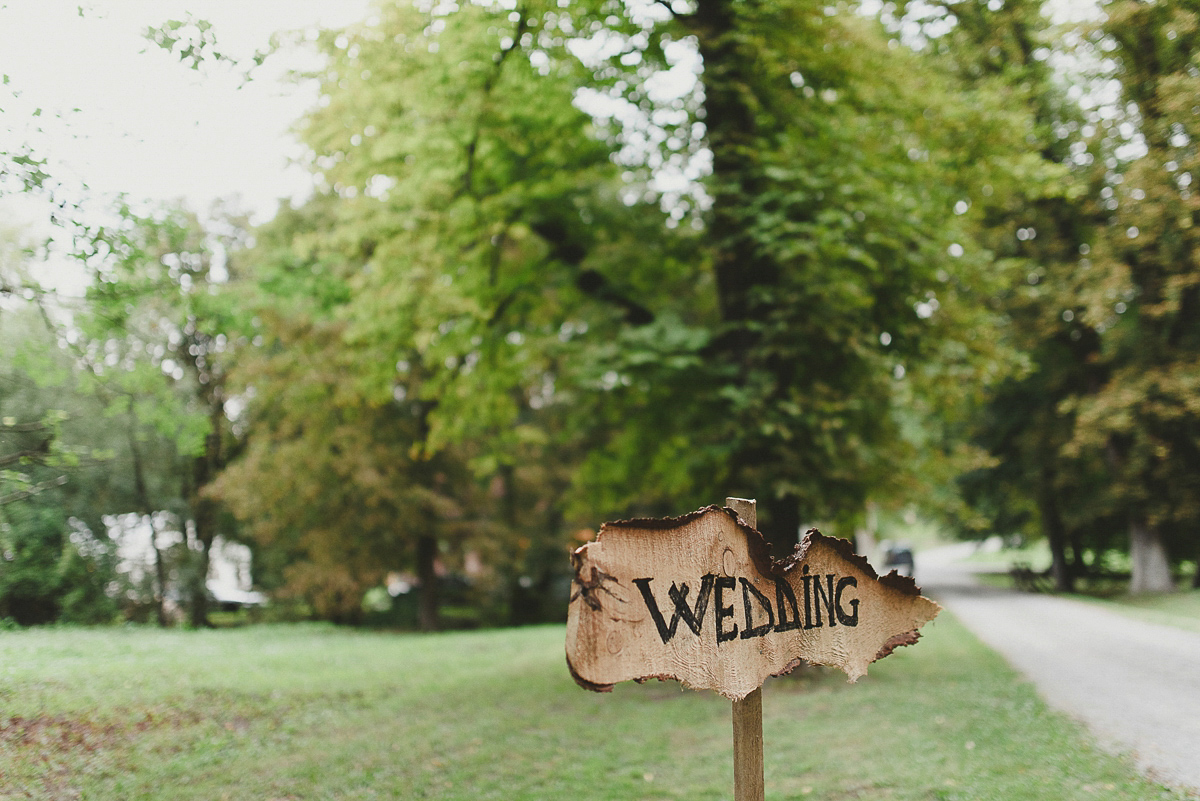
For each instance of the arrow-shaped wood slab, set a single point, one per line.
(699, 599)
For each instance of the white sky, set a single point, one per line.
(147, 125)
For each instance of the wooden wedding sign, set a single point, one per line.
(699, 599)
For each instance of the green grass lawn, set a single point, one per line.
(315, 712)
(1179, 609)
(1035, 555)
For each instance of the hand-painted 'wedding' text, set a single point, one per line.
(825, 603)
(698, 598)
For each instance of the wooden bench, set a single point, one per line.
(1026, 579)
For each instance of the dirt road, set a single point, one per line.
(1135, 685)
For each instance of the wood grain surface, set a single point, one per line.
(699, 599)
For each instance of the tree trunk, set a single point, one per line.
(1078, 567)
(782, 524)
(1056, 533)
(732, 132)
(737, 122)
(1196, 573)
(205, 520)
(1151, 569)
(198, 612)
(160, 574)
(204, 509)
(143, 501)
(427, 600)
(866, 537)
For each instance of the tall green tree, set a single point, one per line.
(843, 292)
(154, 336)
(463, 227)
(492, 256)
(1035, 216)
(53, 567)
(32, 521)
(1143, 419)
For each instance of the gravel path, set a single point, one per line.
(1135, 685)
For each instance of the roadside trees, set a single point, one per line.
(153, 336)
(1143, 421)
(52, 567)
(525, 245)
(1035, 217)
(448, 257)
(845, 288)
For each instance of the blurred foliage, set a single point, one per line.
(567, 262)
(50, 568)
(157, 331)
(489, 279)
(1034, 223)
(1144, 417)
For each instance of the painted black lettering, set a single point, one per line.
(821, 596)
(722, 611)
(692, 617)
(784, 590)
(664, 631)
(808, 621)
(843, 618)
(751, 630)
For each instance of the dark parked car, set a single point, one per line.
(898, 558)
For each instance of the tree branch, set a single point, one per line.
(15, 458)
(34, 490)
(667, 5)
(23, 428)
(489, 84)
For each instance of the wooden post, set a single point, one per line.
(626, 588)
(747, 713)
